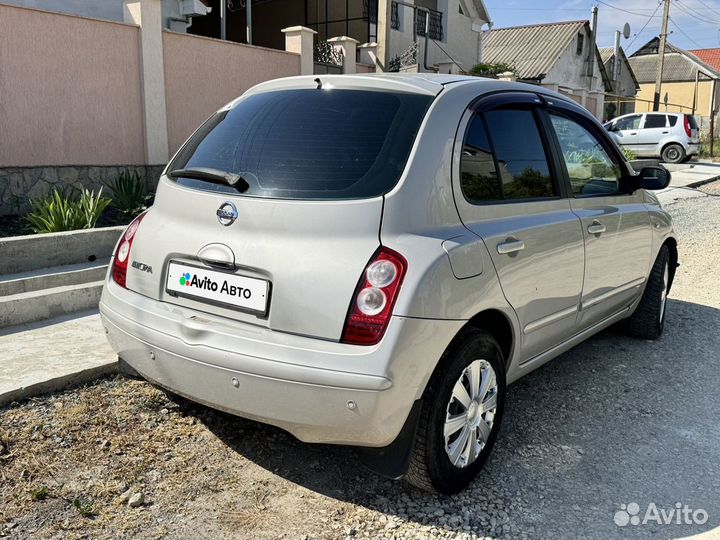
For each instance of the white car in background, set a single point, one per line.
(672, 137)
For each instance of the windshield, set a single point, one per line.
(308, 144)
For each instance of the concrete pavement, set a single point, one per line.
(692, 174)
(685, 177)
(52, 355)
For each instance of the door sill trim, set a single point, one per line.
(607, 295)
(577, 338)
(549, 319)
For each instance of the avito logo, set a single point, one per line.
(206, 283)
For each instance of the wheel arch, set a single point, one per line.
(497, 324)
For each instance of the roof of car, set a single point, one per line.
(430, 84)
(421, 83)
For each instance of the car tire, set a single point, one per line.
(673, 153)
(648, 320)
(473, 355)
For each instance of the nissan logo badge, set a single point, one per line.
(227, 213)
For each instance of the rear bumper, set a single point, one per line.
(300, 384)
(693, 149)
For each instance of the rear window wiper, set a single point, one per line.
(212, 175)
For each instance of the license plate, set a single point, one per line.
(241, 292)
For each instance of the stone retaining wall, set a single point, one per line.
(20, 184)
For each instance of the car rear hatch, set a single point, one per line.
(286, 246)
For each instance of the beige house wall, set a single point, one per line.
(203, 74)
(680, 97)
(70, 90)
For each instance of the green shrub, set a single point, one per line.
(490, 70)
(62, 212)
(629, 154)
(128, 194)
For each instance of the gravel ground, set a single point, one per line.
(614, 421)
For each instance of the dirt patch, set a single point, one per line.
(70, 463)
(713, 188)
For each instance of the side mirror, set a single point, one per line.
(654, 178)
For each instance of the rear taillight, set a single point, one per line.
(374, 298)
(122, 254)
(686, 123)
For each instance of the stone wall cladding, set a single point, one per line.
(20, 184)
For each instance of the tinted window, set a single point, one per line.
(590, 169)
(629, 122)
(478, 176)
(310, 144)
(654, 121)
(519, 157)
(673, 120)
(693, 123)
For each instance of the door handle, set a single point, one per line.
(665, 132)
(596, 228)
(635, 133)
(511, 245)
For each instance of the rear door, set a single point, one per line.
(508, 192)
(626, 131)
(615, 222)
(654, 129)
(316, 164)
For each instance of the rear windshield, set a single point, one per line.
(309, 144)
(693, 123)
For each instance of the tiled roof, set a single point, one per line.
(530, 50)
(710, 56)
(679, 65)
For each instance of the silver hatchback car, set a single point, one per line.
(370, 261)
(672, 137)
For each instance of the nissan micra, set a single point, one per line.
(370, 260)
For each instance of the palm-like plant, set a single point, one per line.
(128, 194)
(60, 212)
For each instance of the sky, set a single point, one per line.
(694, 24)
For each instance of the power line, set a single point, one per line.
(696, 14)
(677, 27)
(644, 26)
(626, 10)
(710, 8)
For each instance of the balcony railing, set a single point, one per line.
(434, 24)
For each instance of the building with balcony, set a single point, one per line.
(450, 30)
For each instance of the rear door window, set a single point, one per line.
(504, 158)
(655, 121)
(309, 144)
(673, 120)
(629, 122)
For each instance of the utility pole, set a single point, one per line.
(593, 43)
(661, 54)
